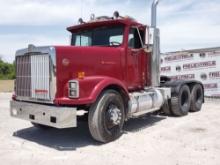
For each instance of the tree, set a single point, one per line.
(7, 70)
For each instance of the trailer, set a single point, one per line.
(110, 73)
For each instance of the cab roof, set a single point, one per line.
(98, 23)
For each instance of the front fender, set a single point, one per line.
(89, 90)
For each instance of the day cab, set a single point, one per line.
(109, 74)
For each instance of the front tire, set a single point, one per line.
(106, 117)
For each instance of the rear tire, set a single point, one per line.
(180, 104)
(106, 117)
(196, 98)
(166, 108)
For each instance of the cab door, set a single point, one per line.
(135, 59)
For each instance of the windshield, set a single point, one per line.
(104, 36)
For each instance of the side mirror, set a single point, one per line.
(149, 36)
(149, 40)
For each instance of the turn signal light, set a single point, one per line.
(81, 75)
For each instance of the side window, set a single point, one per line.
(116, 39)
(134, 39)
(78, 40)
(85, 41)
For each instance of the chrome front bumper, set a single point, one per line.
(58, 117)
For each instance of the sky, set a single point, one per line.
(184, 24)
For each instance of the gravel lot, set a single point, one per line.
(159, 140)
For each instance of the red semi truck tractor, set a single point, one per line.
(110, 72)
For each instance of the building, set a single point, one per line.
(197, 64)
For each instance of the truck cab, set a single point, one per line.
(110, 72)
(104, 53)
(123, 53)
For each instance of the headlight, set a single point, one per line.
(73, 89)
(72, 85)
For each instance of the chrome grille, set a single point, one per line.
(40, 76)
(23, 76)
(33, 77)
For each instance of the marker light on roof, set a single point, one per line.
(81, 21)
(92, 17)
(116, 15)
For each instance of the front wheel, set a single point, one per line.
(106, 117)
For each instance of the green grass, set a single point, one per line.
(6, 85)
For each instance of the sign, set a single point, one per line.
(202, 65)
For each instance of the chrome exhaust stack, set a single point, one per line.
(154, 41)
(154, 14)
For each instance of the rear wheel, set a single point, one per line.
(166, 108)
(180, 104)
(197, 97)
(106, 117)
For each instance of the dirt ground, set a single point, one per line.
(6, 85)
(153, 140)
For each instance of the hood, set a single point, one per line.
(93, 61)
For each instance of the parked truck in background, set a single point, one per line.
(111, 71)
